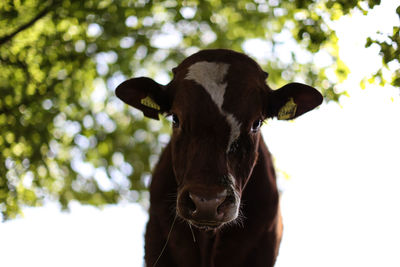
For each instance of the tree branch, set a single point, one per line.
(26, 25)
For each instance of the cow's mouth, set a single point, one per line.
(206, 225)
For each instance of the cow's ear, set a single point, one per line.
(292, 100)
(144, 94)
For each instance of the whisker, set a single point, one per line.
(172, 195)
(194, 239)
(166, 242)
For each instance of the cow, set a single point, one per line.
(214, 200)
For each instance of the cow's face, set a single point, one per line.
(217, 100)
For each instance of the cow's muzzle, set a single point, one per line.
(207, 209)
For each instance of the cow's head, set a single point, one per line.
(218, 100)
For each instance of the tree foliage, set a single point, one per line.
(389, 47)
(63, 134)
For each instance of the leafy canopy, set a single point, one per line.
(63, 134)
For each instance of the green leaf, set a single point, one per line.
(63, 133)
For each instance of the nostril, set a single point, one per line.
(191, 206)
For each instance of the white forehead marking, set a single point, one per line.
(235, 127)
(211, 76)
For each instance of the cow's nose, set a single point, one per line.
(207, 208)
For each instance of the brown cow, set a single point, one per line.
(216, 167)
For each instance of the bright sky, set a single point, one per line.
(341, 205)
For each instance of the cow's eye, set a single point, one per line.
(175, 121)
(256, 126)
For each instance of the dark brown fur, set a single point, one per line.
(194, 201)
(254, 242)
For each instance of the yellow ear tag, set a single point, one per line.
(288, 111)
(148, 102)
